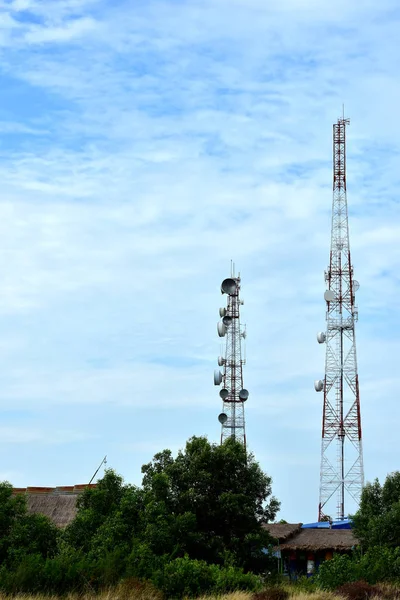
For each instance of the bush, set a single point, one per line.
(27, 576)
(305, 584)
(272, 593)
(192, 578)
(231, 579)
(357, 590)
(380, 564)
(185, 577)
(336, 572)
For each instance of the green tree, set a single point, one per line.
(198, 518)
(22, 534)
(32, 534)
(210, 503)
(12, 508)
(107, 517)
(377, 522)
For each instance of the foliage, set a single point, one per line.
(357, 590)
(209, 503)
(377, 522)
(107, 516)
(31, 535)
(12, 508)
(305, 584)
(376, 565)
(336, 572)
(195, 525)
(187, 577)
(380, 564)
(272, 593)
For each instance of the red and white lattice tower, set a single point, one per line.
(233, 394)
(342, 471)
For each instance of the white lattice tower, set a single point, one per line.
(342, 472)
(233, 394)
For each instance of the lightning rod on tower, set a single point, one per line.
(233, 394)
(342, 470)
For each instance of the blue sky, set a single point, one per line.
(143, 145)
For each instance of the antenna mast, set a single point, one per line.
(98, 468)
(232, 393)
(341, 472)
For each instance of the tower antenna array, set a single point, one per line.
(342, 470)
(233, 394)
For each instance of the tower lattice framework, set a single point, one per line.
(342, 471)
(233, 394)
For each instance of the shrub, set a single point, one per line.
(232, 579)
(305, 584)
(192, 578)
(339, 570)
(357, 590)
(185, 577)
(27, 576)
(272, 593)
(380, 564)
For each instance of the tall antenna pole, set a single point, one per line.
(342, 472)
(104, 461)
(233, 394)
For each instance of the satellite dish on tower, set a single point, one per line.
(243, 395)
(224, 394)
(356, 286)
(321, 337)
(227, 321)
(319, 385)
(222, 418)
(222, 312)
(217, 377)
(221, 329)
(329, 296)
(228, 286)
(221, 361)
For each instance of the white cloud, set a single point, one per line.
(142, 151)
(13, 435)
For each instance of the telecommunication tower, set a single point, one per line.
(342, 471)
(233, 394)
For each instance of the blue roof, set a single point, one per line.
(344, 524)
(319, 525)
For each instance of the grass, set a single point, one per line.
(148, 592)
(115, 594)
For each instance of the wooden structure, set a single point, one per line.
(301, 551)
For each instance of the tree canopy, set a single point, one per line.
(194, 525)
(377, 522)
(208, 503)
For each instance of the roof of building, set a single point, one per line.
(60, 508)
(283, 531)
(321, 539)
(57, 503)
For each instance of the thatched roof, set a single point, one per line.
(283, 531)
(321, 539)
(60, 508)
(59, 503)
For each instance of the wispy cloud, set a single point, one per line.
(144, 148)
